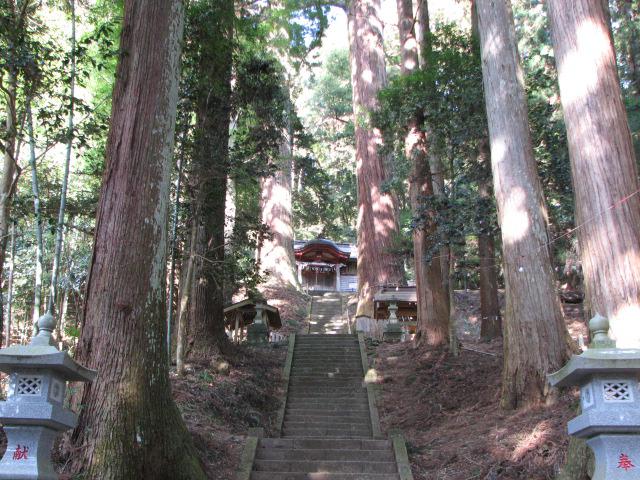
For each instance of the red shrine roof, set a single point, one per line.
(323, 250)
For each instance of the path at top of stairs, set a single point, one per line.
(327, 315)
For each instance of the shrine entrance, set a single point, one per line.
(325, 266)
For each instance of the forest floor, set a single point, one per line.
(242, 389)
(221, 401)
(448, 408)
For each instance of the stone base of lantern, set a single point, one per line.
(28, 455)
(392, 332)
(616, 456)
(257, 334)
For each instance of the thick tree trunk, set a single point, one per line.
(10, 172)
(377, 223)
(535, 340)
(211, 162)
(275, 255)
(490, 318)
(432, 298)
(129, 426)
(603, 163)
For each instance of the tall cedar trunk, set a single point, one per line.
(433, 314)
(211, 159)
(437, 271)
(9, 170)
(535, 340)
(377, 223)
(603, 163)
(129, 426)
(276, 255)
(490, 318)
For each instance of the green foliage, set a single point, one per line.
(325, 197)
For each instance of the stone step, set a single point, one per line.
(359, 417)
(328, 357)
(321, 476)
(319, 338)
(326, 379)
(354, 411)
(326, 370)
(345, 423)
(313, 398)
(327, 348)
(354, 362)
(325, 454)
(324, 444)
(336, 346)
(317, 466)
(355, 377)
(329, 405)
(334, 388)
(325, 432)
(321, 368)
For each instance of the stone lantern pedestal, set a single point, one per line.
(258, 331)
(610, 401)
(34, 413)
(393, 330)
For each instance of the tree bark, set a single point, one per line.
(535, 340)
(129, 426)
(432, 300)
(490, 317)
(211, 162)
(603, 163)
(377, 222)
(9, 170)
(276, 255)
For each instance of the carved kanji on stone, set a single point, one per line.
(624, 462)
(21, 453)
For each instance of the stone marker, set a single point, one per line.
(393, 330)
(34, 413)
(258, 331)
(610, 401)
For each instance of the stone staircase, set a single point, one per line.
(330, 428)
(327, 314)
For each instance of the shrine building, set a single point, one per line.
(326, 266)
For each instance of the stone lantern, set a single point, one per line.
(610, 402)
(34, 413)
(393, 330)
(258, 331)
